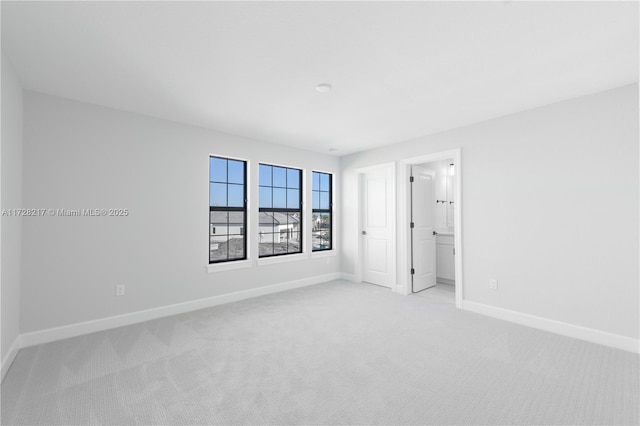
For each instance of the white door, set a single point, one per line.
(378, 203)
(422, 233)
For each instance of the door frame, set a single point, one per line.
(404, 214)
(359, 263)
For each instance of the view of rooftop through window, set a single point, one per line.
(227, 210)
(322, 209)
(280, 210)
(280, 224)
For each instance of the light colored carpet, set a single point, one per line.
(334, 353)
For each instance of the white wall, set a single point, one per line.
(549, 208)
(83, 156)
(11, 228)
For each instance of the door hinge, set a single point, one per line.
(413, 271)
(412, 225)
(410, 178)
(454, 251)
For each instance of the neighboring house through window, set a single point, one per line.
(227, 209)
(280, 211)
(321, 234)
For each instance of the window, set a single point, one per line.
(227, 209)
(280, 211)
(321, 237)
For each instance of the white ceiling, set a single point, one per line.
(399, 70)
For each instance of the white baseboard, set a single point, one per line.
(10, 356)
(79, 329)
(348, 277)
(578, 332)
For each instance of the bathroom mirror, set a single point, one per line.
(451, 196)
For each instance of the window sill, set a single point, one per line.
(283, 259)
(323, 253)
(239, 264)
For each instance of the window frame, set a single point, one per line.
(285, 210)
(320, 211)
(228, 209)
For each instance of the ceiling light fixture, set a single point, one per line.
(323, 87)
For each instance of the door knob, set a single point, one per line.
(364, 232)
(435, 233)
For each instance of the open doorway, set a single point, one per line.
(431, 216)
(432, 228)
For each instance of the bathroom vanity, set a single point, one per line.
(445, 252)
